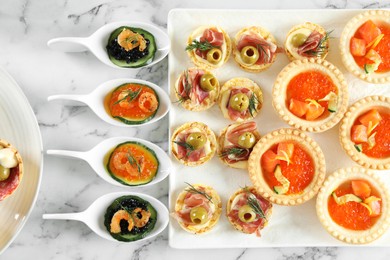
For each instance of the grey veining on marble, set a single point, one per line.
(71, 185)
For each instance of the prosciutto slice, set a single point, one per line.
(192, 156)
(10, 184)
(193, 200)
(195, 92)
(266, 49)
(233, 134)
(311, 44)
(233, 158)
(234, 114)
(254, 226)
(214, 37)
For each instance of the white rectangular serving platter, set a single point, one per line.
(288, 226)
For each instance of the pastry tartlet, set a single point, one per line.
(353, 205)
(364, 46)
(364, 132)
(11, 169)
(235, 143)
(209, 47)
(287, 167)
(307, 40)
(310, 94)
(240, 99)
(247, 211)
(198, 208)
(197, 89)
(193, 143)
(254, 49)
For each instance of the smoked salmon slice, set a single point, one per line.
(297, 107)
(269, 161)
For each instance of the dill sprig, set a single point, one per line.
(133, 161)
(186, 145)
(130, 96)
(232, 151)
(187, 89)
(260, 48)
(322, 46)
(194, 190)
(253, 102)
(254, 204)
(197, 45)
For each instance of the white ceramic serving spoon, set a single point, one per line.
(95, 158)
(95, 100)
(97, 42)
(93, 216)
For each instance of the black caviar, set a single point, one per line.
(119, 53)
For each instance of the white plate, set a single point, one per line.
(19, 126)
(288, 226)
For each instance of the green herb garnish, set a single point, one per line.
(254, 204)
(187, 89)
(321, 47)
(253, 102)
(260, 48)
(197, 45)
(232, 151)
(187, 146)
(130, 96)
(194, 190)
(133, 162)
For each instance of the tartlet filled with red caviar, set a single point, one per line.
(287, 167)
(364, 45)
(353, 206)
(209, 47)
(364, 132)
(310, 94)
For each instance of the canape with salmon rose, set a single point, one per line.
(240, 99)
(198, 208)
(247, 211)
(235, 143)
(307, 40)
(209, 47)
(254, 49)
(197, 89)
(193, 143)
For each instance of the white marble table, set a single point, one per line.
(71, 185)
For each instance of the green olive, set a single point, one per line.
(239, 102)
(249, 55)
(247, 140)
(4, 173)
(246, 214)
(208, 82)
(298, 39)
(214, 56)
(196, 140)
(199, 215)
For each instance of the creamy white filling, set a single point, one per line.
(234, 205)
(8, 158)
(290, 47)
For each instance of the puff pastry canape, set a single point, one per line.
(11, 169)
(240, 99)
(235, 143)
(353, 205)
(365, 132)
(247, 211)
(209, 47)
(307, 40)
(364, 45)
(197, 89)
(198, 208)
(193, 143)
(287, 167)
(255, 49)
(310, 94)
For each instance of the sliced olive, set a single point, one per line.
(196, 140)
(249, 55)
(246, 214)
(4, 173)
(214, 56)
(198, 215)
(239, 102)
(247, 140)
(298, 39)
(208, 82)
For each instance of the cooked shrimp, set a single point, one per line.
(148, 102)
(129, 40)
(121, 162)
(123, 99)
(140, 217)
(115, 226)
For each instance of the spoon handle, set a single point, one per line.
(65, 153)
(78, 98)
(69, 44)
(64, 216)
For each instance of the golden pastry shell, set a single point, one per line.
(280, 87)
(306, 143)
(345, 38)
(204, 129)
(263, 33)
(207, 102)
(351, 236)
(216, 200)
(358, 108)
